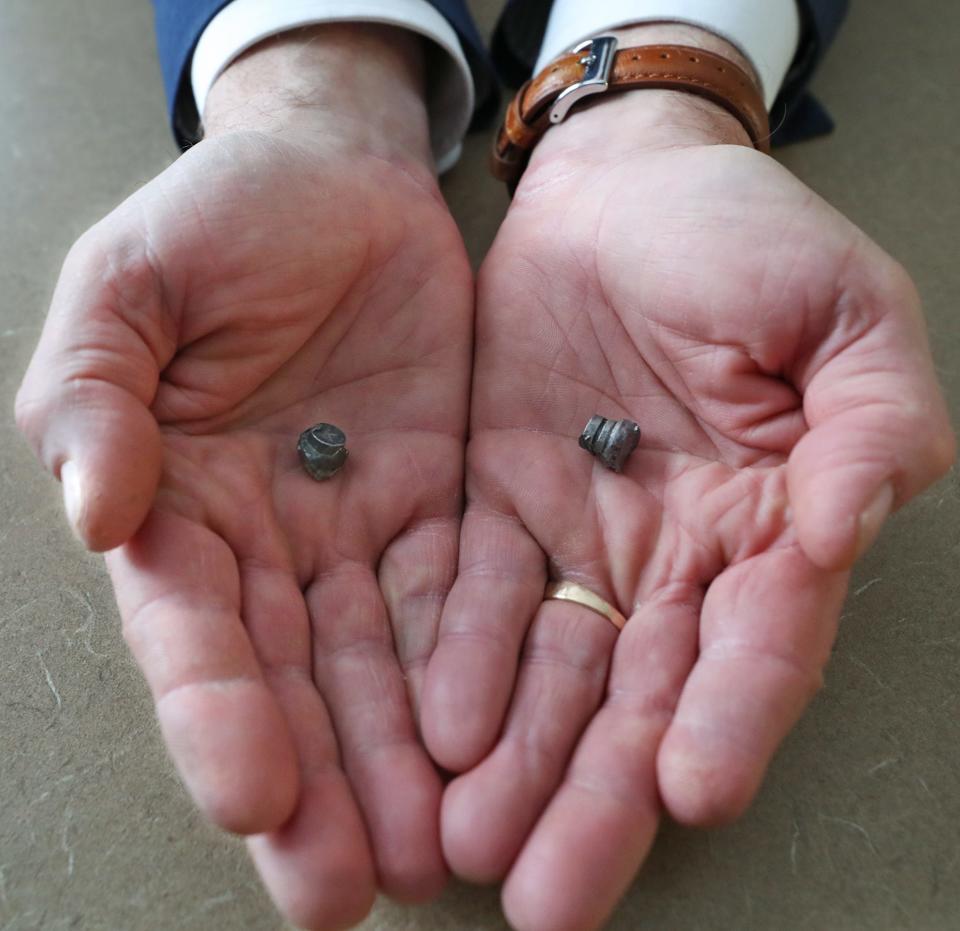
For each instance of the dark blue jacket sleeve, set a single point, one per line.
(515, 46)
(180, 23)
(796, 115)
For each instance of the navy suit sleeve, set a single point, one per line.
(797, 114)
(181, 22)
(516, 44)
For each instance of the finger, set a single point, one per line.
(84, 402)
(470, 675)
(488, 812)
(879, 429)
(219, 720)
(397, 786)
(765, 635)
(589, 843)
(318, 867)
(415, 576)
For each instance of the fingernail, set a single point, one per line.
(872, 518)
(72, 494)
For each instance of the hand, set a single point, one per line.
(297, 266)
(655, 267)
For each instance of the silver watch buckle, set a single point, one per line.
(598, 63)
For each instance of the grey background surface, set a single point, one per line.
(858, 825)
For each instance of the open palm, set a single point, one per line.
(257, 287)
(776, 363)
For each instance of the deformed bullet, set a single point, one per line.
(323, 450)
(611, 441)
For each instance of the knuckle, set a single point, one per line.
(887, 279)
(87, 247)
(942, 450)
(896, 281)
(87, 256)
(934, 444)
(882, 287)
(30, 412)
(120, 263)
(125, 266)
(23, 412)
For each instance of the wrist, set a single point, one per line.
(612, 126)
(356, 84)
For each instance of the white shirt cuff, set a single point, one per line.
(766, 32)
(243, 23)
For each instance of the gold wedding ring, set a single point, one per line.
(579, 594)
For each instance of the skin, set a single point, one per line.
(777, 363)
(299, 265)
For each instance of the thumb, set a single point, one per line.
(879, 430)
(84, 404)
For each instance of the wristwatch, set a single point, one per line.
(597, 67)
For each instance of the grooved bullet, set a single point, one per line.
(611, 441)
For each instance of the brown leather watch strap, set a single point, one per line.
(597, 67)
